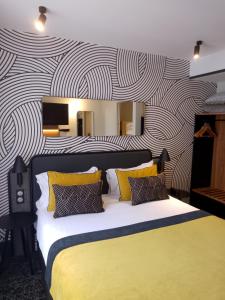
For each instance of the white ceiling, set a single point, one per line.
(167, 27)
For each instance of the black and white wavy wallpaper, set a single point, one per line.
(32, 66)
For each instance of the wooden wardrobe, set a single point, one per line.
(208, 163)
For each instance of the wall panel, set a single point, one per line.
(32, 66)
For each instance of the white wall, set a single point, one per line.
(207, 64)
(220, 86)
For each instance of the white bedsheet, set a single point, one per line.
(117, 213)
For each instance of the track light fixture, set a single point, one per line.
(197, 49)
(40, 22)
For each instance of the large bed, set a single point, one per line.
(163, 249)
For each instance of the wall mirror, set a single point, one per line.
(81, 117)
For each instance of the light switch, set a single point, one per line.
(20, 196)
(19, 200)
(19, 192)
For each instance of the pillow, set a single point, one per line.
(113, 181)
(77, 199)
(125, 190)
(69, 179)
(146, 189)
(218, 98)
(42, 180)
(214, 108)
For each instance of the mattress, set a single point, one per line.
(117, 214)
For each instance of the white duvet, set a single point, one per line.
(116, 214)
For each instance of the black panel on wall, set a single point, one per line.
(32, 66)
(202, 153)
(202, 162)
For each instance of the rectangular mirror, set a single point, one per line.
(82, 117)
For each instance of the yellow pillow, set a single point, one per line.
(69, 179)
(124, 185)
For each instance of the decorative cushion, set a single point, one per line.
(124, 185)
(113, 181)
(42, 180)
(78, 199)
(146, 189)
(218, 98)
(69, 179)
(214, 108)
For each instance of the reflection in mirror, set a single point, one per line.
(85, 123)
(81, 117)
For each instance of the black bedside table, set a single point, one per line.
(22, 221)
(180, 194)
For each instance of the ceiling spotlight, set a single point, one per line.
(197, 49)
(40, 22)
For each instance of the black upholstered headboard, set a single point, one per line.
(78, 162)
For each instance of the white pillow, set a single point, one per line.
(42, 180)
(218, 98)
(113, 181)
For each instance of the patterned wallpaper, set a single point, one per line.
(32, 66)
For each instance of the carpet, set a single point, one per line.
(16, 282)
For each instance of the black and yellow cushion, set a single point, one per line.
(122, 176)
(78, 199)
(146, 189)
(69, 179)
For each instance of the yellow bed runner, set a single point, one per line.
(183, 261)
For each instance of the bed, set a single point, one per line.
(163, 249)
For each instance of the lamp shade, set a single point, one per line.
(164, 156)
(19, 165)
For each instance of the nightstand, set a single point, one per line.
(22, 221)
(180, 194)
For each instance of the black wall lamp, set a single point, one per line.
(19, 187)
(19, 168)
(40, 22)
(197, 49)
(164, 157)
